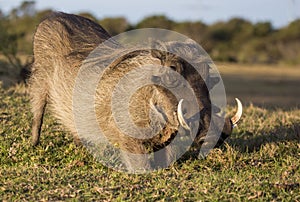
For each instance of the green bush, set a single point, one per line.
(236, 40)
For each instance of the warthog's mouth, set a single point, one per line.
(187, 124)
(167, 134)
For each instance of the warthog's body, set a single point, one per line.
(63, 41)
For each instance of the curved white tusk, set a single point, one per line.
(238, 114)
(181, 119)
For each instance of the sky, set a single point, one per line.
(278, 12)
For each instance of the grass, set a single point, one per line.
(260, 162)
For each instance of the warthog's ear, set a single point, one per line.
(212, 82)
(190, 50)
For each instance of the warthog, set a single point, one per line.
(61, 44)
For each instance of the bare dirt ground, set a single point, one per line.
(265, 86)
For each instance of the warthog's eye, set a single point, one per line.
(170, 79)
(168, 76)
(173, 68)
(155, 79)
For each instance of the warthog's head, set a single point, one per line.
(165, 105)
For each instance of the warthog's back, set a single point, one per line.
(67, 35)
(61, 43)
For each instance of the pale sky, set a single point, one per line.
(278, 12)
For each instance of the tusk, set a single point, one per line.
(238, 114)
(181, 119)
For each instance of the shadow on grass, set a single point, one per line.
(10, 75)
(249, 142)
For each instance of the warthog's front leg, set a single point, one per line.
(136, 163)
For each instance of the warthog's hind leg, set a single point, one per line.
(38, 104)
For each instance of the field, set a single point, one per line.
(264, 86)
(259, 162)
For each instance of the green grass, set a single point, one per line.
(261, 162)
